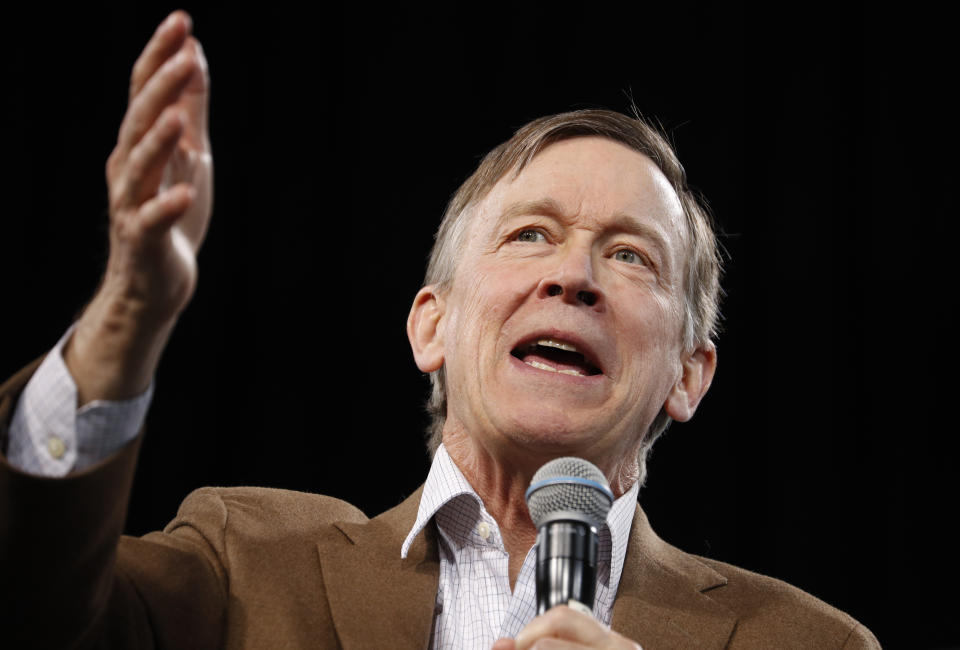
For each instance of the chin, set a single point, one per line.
(551, 432)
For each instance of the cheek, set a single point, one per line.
(470, 312)
(480, 318)
(665, 320)
(490, 295)
(656, 332)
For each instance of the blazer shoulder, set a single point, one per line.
(264, 512)
(772, 611)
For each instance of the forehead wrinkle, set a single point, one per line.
(546, 207)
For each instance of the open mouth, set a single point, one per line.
(556, 356)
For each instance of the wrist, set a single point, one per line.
(116, 347)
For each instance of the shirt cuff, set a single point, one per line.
(49, 436)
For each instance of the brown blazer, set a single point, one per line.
(265, 568)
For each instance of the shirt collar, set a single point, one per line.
(446, 482)
(620, 521)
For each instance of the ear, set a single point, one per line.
(698, 369)
(423, 329)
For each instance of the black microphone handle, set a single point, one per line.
(566, 565)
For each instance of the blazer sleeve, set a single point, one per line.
(67, 580)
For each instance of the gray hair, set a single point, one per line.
(701, 280)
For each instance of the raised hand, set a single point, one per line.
(160, 173)
(160, 179)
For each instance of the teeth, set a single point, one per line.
(560, 345)
(541, 366)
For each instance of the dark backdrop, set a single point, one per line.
(825, 453)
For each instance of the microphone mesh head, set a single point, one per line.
(561, 500)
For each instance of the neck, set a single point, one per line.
(501, 478)
(502, 487)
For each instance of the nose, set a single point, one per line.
(572, 280)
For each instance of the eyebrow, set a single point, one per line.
(547, 207)
(621, 222)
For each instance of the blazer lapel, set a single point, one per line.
(660, 601)
(377, 599)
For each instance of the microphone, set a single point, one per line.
(568, 499)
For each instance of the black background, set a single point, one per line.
(822, 136)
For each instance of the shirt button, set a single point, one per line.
(483, 529)
(56, 447)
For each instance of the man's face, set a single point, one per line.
(562, 332)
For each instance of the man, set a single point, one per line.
(569, 309)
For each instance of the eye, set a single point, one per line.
(628, 256)
(530, 236)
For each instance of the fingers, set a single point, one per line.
(166, 40)
(560, 644)
(159, 213)
(562, 623)
(161, 90)
(142, 227)
(168, 107)
(562, 627)
(146, 162)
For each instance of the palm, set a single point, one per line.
(192, 161)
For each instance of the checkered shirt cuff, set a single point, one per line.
(49, 436)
